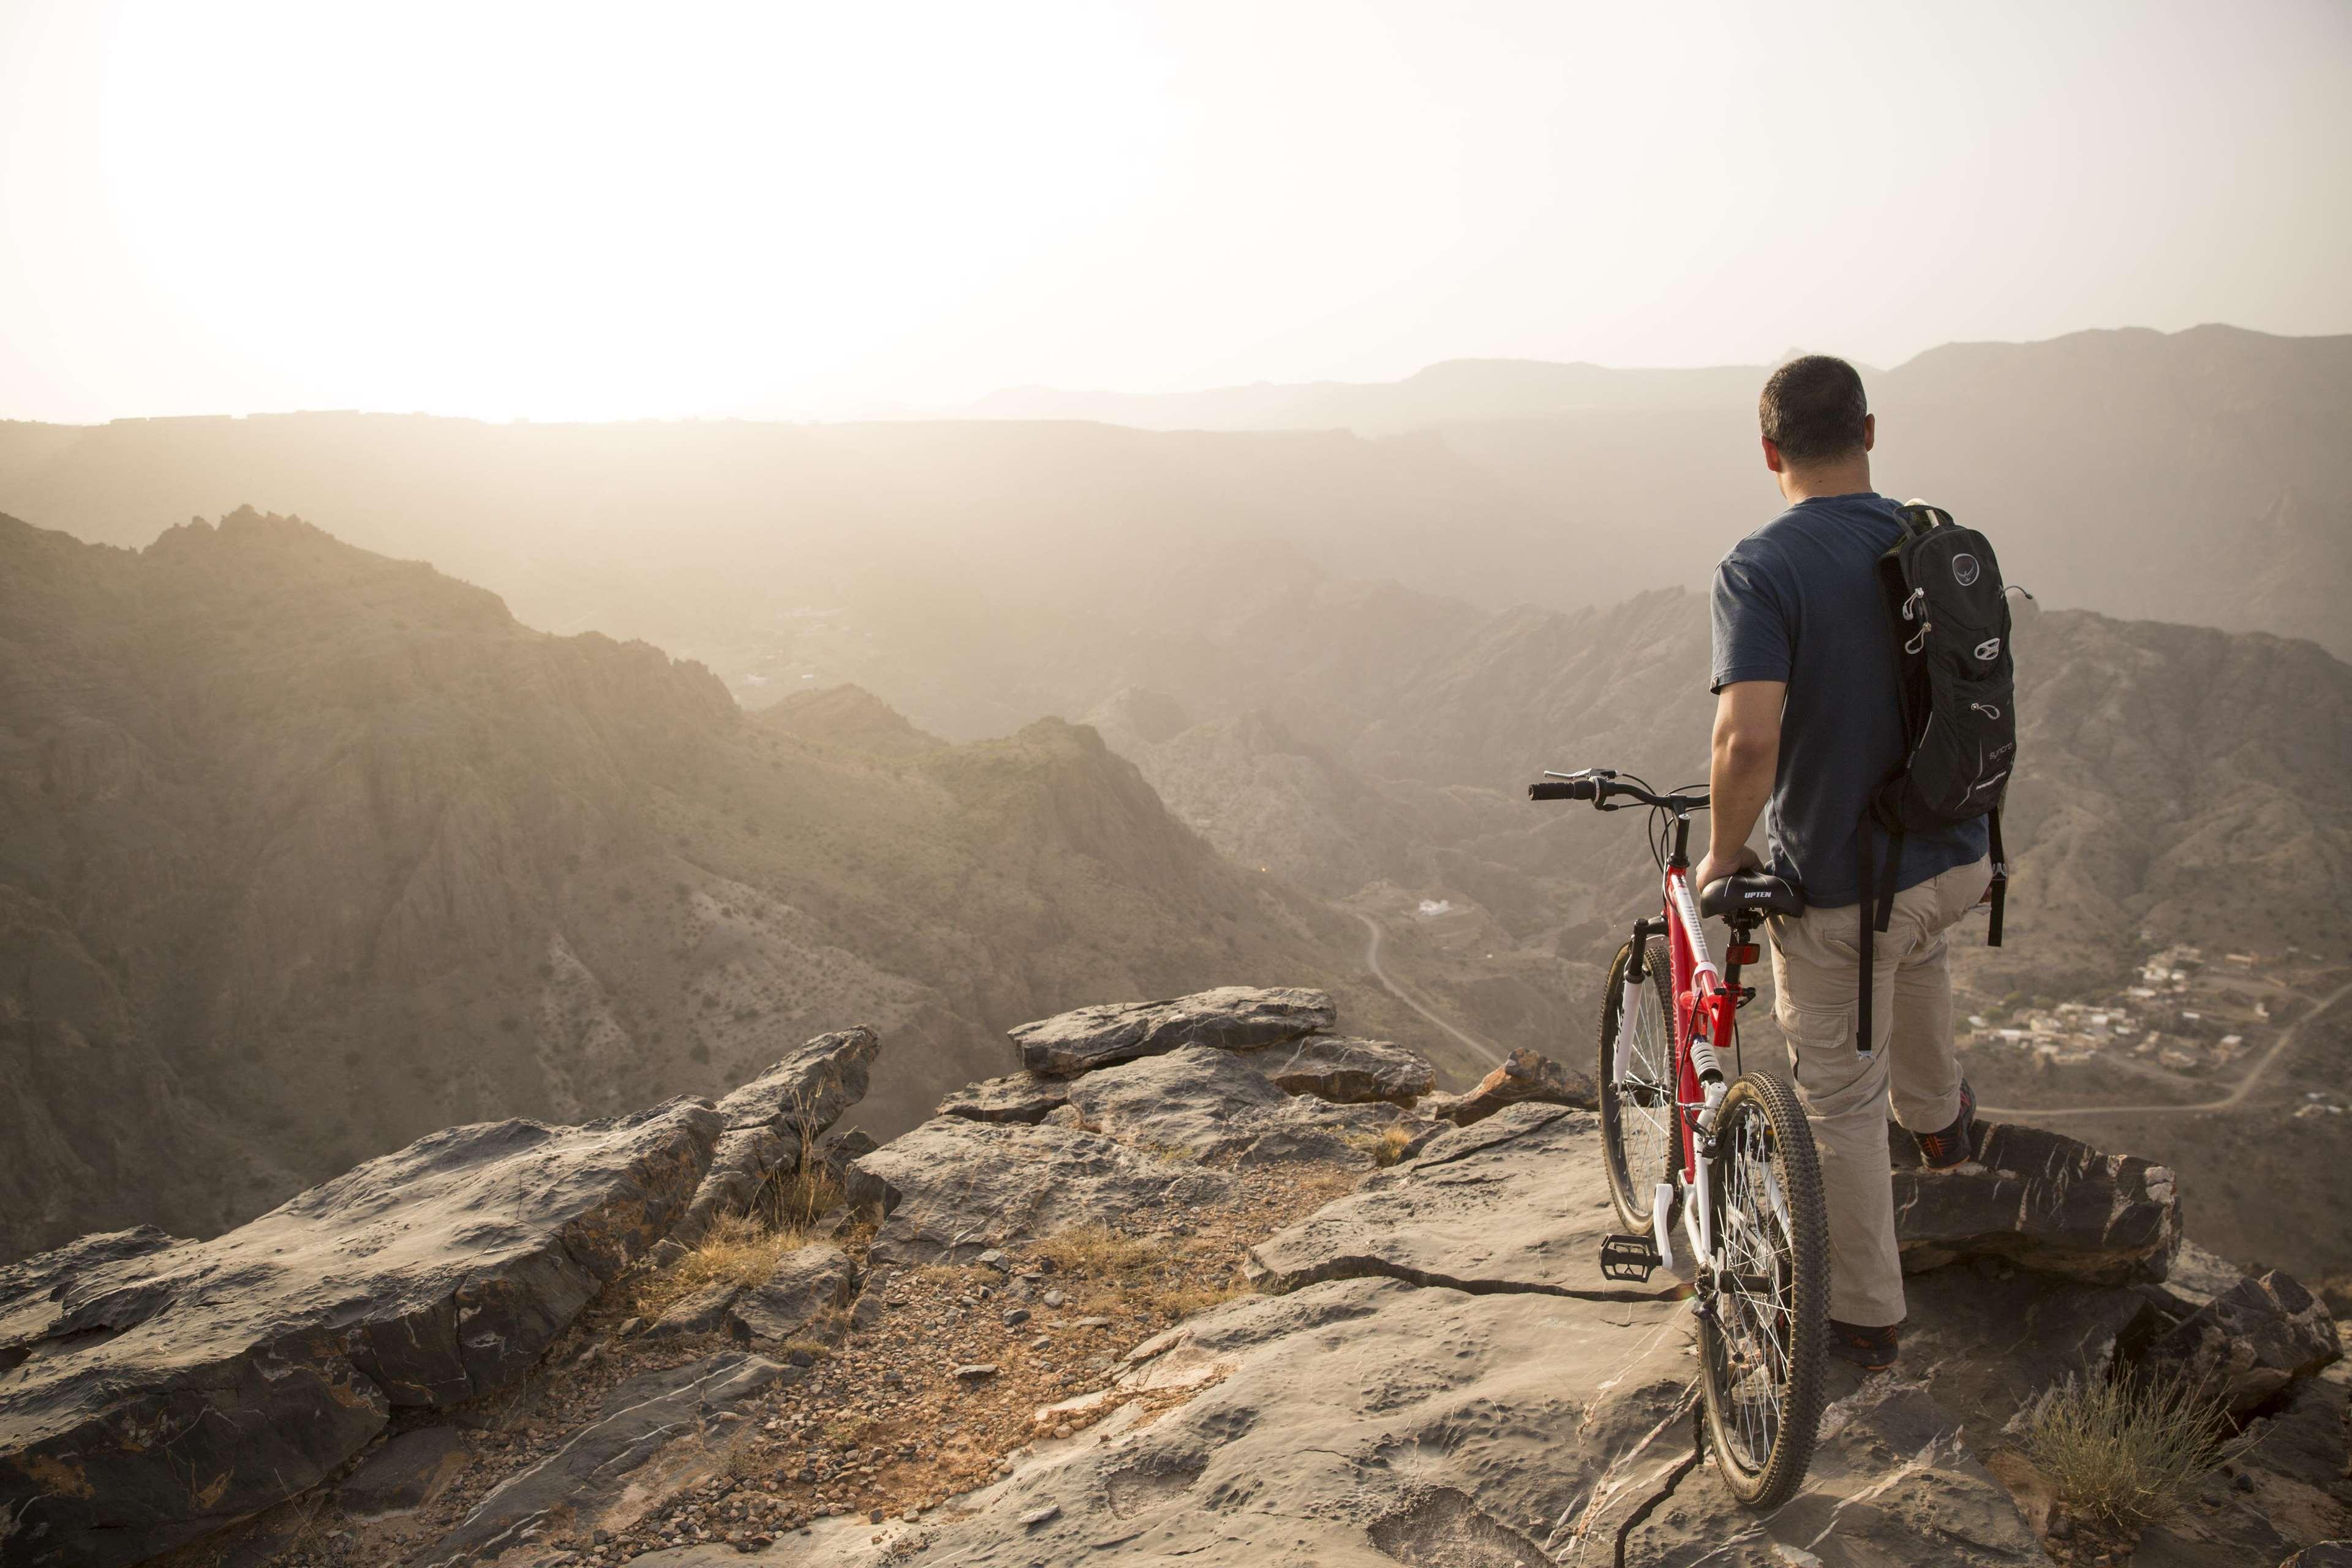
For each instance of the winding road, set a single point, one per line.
(2229, 1101)
(1372, 962)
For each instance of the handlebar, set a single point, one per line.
(1603, 788)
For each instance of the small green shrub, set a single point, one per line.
(2123, 1449)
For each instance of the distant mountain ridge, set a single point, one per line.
(2197, 477)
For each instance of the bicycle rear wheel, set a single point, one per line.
(1761, 1325)
(1637, 1119)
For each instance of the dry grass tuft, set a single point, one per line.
(1387, 1146)
(739, 1249)
(1108, 1272)
(1096, 1251)
(2125, 1450)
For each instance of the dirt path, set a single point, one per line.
(2229, 1101)
(1372, 962)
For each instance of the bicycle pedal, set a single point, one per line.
(1632, 1257)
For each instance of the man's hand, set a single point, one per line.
(1710, 869)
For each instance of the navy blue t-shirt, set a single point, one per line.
(1798, 601)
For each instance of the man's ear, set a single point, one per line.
(1869, 431)
(1772, 459)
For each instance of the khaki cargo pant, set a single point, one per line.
(1815, 967)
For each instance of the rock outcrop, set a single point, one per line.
(1525, 1075)
(2041, 1200)
(1235, 1018)
(2253, 1341)
(152, 1390)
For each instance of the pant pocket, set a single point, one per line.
(1833, 1077)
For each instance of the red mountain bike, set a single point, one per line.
(1732, 1155)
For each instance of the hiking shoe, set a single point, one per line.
(1956, 1145)
(1872, 1350)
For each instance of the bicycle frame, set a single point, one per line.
(1706, 1012)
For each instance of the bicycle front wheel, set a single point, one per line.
(1763, 1314)
(1638, 1135)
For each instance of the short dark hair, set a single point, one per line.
(1813, 409)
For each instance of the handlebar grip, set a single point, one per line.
(1563, 789)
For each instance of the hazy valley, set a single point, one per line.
(309, 852)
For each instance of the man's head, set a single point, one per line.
(1818, 427)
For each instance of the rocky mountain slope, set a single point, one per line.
(307, 852)
(1167, 1294)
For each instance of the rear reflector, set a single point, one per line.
(1744, 953)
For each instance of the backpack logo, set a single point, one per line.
(1988, 650)
(1964, 570)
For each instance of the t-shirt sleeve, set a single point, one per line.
(1752, 641)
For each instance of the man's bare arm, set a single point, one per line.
(1746, 757)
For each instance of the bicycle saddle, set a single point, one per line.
(1749, 894)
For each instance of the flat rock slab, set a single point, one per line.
(638, 1420)
(2040, 1200)
(1347, 1072)
(1519, 1202)
(165, 1390)
(1235, 1018)
(952, 1187)
(406, 1473)
(809, 1282)
(1016, 1096)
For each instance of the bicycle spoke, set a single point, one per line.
(1753, 1328)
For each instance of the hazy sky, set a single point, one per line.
(603, 211)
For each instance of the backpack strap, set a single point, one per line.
(1876, 905)
(1997, 894)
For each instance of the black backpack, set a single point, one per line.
(1947, 614)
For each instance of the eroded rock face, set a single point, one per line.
(2253, 1340)
(1526, 1075)
(1232, 1018)
(2041, 1200)
(162, 1390)
(1347, 1072)
(953, 1188)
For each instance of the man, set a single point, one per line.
(1808, 716)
